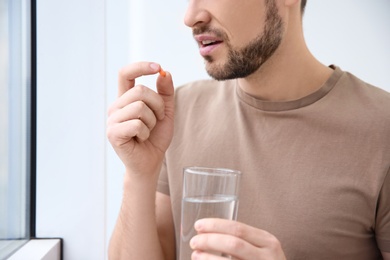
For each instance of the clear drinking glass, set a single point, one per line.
(207, 193)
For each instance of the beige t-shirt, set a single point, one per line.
(315, 171)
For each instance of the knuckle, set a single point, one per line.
(122, 72)
(153, 122)
(235, 245)
(202, 240)
(137, 126)
(238, 230)
(139, 91)
(112, 117)
(111, 135)
(143, 136)
(140, 130)
(161, 105)
(109, 121)
(111, 109)
(274, 243)
(139, 106)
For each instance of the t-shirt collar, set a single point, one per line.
(292, 104)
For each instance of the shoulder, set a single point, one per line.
(365, 98)
(365, 92)
(364, 107)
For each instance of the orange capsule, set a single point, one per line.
(162, 72)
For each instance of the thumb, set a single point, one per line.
(167, 91)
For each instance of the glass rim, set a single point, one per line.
(217, 171)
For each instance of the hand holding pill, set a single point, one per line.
(140, 121)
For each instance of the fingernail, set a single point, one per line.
(195, 255)
(198, 225)
(154, 66)
(193, 242)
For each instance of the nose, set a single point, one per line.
(196, 13)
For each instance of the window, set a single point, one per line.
(16, 124)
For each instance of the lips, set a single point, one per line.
(207, 43)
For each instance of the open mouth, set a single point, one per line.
(206, 43)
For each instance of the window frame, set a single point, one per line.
(11, 244)
(33, 117)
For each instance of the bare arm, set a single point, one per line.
(135, 235)
(145, 234)
(140, 128)
(165, 225)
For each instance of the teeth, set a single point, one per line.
(207, 42)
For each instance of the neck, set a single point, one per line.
(291, 73)
(283, 81)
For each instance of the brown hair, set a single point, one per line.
(303, 5)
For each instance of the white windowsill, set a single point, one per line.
(39, 249)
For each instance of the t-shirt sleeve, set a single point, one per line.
(382, 229)
(163, 184)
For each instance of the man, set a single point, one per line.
(312, 143)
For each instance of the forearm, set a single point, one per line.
(135, 235)
(140, 129)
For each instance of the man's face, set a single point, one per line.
(235, 37)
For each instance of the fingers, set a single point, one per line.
(236, 239)
(129, 92)
(200, 255)
(216, 244)
(253, 235)
(128, 74)
(134, 114)
(121, 133)
(136, 110)
(140, 93)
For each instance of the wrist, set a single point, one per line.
(140, 181)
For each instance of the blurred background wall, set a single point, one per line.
(81, 46)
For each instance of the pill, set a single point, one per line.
(162, 72)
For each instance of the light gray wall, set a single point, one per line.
(71, 173)
(353, 34)
(82, 45)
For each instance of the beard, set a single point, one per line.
(242, 62)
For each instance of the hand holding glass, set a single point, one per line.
(207, 193)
